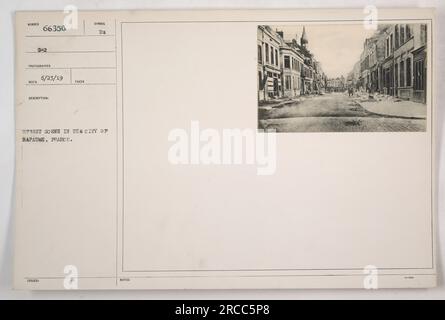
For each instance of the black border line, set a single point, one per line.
(117, 157)
(430, 54)
(236, 276)
(433, 217)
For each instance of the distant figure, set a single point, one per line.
(350, 91)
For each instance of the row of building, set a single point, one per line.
(336, 84)
(286, 68)
(393, 62)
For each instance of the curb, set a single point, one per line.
(391, 115)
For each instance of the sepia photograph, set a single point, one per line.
(342, 78)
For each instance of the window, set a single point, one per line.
(416, 75)
(396, 74)
(408, 32)
(260, 54)
(391, 43)
(423, 34)
(387, 47)
(408, 72)
(397, 36)
(402, 73)
(286, 62)
(402, 35)
(419, 83)
(272, 60)
(276, 57)
(287, 82)
(267, 53)
(260, 80)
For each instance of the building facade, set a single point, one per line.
(286, 69)
(410, 40)
(388, 62)
(419, 65)
(337, 84)
(291, 64)
(393, 62)
(269, 64)
(353, 78)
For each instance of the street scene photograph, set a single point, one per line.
(342, 78)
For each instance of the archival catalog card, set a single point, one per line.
(225, 149)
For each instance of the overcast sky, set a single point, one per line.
(337, 47)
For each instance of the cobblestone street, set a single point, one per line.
(333, 112)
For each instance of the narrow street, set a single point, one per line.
(333, 112)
